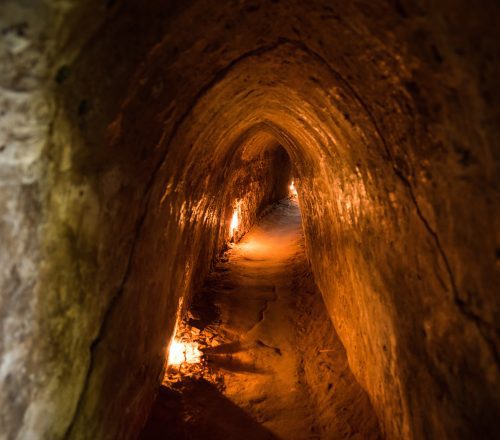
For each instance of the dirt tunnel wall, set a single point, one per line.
(123, 125)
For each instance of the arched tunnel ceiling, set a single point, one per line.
(387, 110)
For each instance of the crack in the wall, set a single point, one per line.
(479, 322)
(481, 325)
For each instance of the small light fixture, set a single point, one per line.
(293, 190)
(183, 352)
(180, 350)
(235, 223)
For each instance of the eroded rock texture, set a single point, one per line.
(128, 128)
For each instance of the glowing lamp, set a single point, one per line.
(183, 352)
(234, 224)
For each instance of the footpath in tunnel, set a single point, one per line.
(261, 358)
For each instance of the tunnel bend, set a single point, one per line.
(386, 111)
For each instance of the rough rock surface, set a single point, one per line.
(120, 122)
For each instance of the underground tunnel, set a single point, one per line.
(249, 219)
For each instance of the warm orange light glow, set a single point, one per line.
(293, 190)
(183, 352)
(234, 222)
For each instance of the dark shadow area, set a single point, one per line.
(196, 409)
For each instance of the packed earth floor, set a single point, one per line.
(271, 364)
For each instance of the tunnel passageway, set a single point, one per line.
(272, 348)
(131, 132)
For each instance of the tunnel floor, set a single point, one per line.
(272, 365)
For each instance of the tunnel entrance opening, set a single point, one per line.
(255, 355)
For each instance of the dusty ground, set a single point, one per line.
(273, 366)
